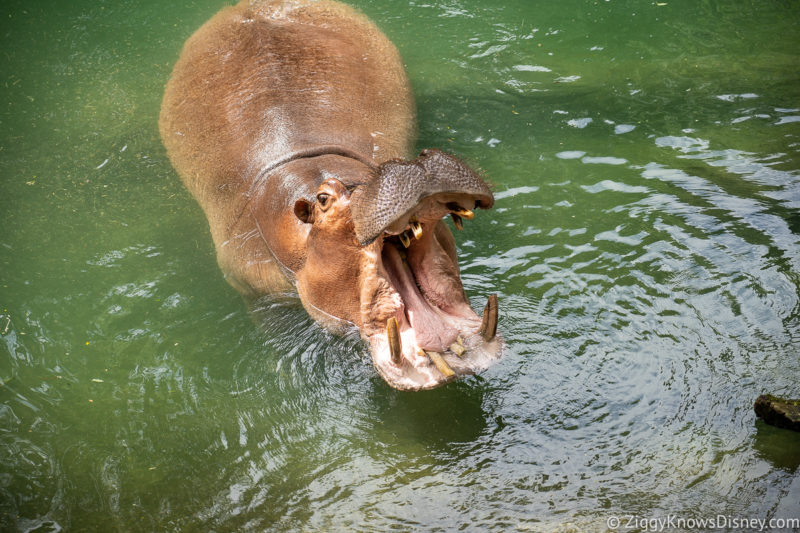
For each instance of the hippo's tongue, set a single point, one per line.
(431, 329)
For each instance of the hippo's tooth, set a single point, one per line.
(395, 346)
(457, 221)
(416, 229)
(460, 211)
(405, 239)
(488, 327)
(440, 363)
(457, 349)
(465, 213)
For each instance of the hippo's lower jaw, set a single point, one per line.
(420, 369)
(427, 334)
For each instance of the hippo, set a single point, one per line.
(292, 124)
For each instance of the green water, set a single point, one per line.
(645, 246)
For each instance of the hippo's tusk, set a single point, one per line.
(460, 211)
(465, 213)
(405, 239)
(457, 221)
(395, 345)
(488, 328)
(458, 348)
(440, 363)
(416, 229)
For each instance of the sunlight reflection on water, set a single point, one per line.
(644, 245)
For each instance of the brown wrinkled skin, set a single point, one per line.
(261, 80)
(292, 122)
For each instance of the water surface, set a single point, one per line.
(645, 246)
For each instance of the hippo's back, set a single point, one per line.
(261, 80)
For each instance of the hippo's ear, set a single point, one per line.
(304, 210)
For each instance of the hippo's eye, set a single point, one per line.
(323, 198)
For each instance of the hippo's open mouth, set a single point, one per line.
(430, 334)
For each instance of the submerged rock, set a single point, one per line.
(778, 412)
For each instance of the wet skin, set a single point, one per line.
(292, 124)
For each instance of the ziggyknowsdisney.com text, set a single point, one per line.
(671, 522)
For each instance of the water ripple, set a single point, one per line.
(644, 247)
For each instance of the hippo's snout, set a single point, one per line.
(421, 328)
(400, 187)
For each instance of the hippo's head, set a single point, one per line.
(379, 256)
